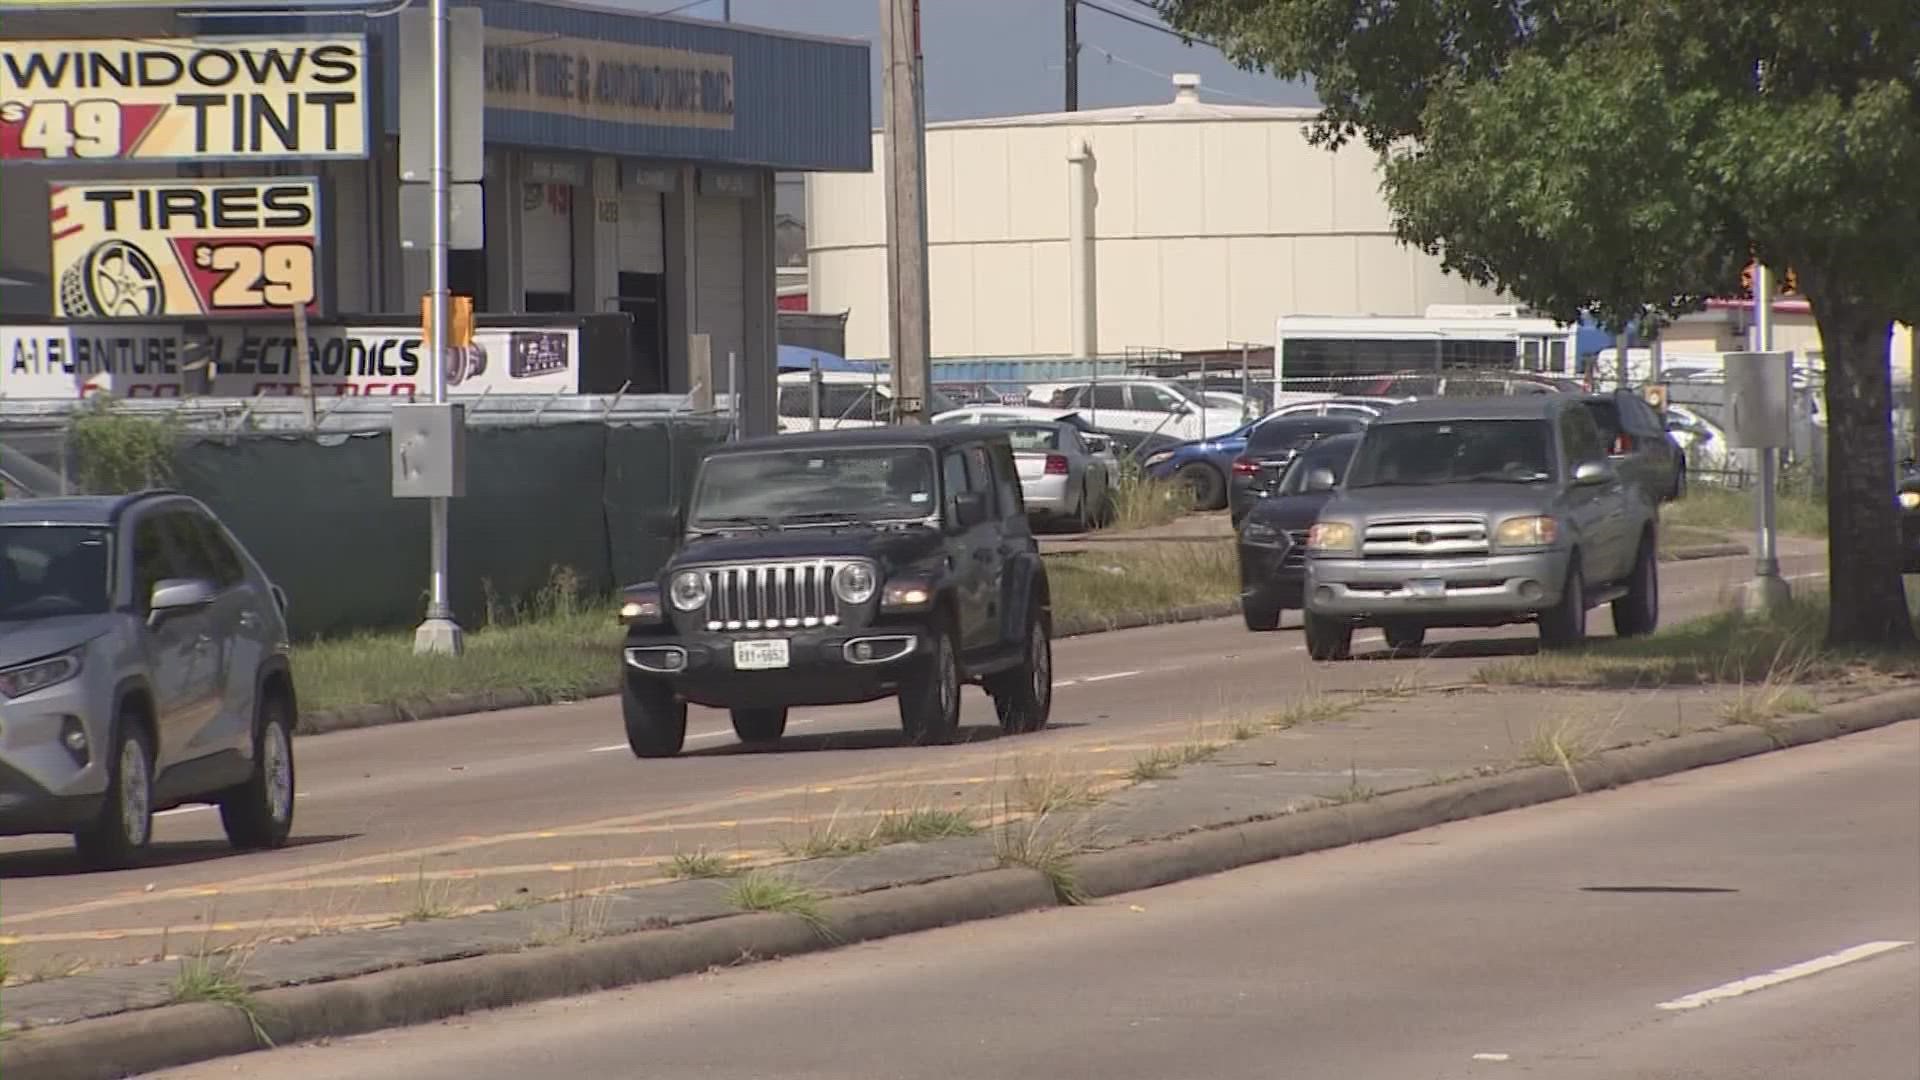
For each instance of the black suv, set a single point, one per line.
(839, 567)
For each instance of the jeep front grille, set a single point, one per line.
(1439, 538)
(770, 596)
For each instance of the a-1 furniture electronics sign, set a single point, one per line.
(184, 99)
(186, 248)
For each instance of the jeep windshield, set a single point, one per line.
(52, 570)
(1434, 452)
(825, 486)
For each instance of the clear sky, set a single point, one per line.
(1002, 57)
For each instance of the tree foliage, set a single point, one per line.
(1626, 158)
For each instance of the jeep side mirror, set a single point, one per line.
(1321, 479)
(969, 509)
(1593, 474)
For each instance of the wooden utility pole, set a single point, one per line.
(905, 152)
(1073, 55)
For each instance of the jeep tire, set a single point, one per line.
(760, 725)
(1637, 614)
(1260, 615)
(930, 697)
(1404, 638)
(656, 718)
(1564, 625)
(1023, 695)
(125, 825)
(1328, 639)
(258, 815)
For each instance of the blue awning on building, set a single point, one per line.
(801, 358)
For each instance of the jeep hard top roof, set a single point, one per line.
(1523, 407)
(933, 436)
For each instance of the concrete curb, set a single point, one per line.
(176, 1035)
(437, 707)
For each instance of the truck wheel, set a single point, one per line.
(930, 699)
(1024, 696)
(1260, 616)
(760, 725)
(1405, 638)
(1328, 639)
(258, 814)
(1564, 626)
(1208, 487)
(656, 718)
(125, 825)
(1637, 614)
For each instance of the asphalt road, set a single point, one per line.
(464, 814)
(1572, 941)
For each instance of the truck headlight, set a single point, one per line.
(854, 583)
(1527, 532)
(29, 678)
(1910, 500)
(1333, 538)
(689, 590)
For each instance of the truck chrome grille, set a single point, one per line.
(1438, 538)
(772, 596)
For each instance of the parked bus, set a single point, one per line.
(1339, 353)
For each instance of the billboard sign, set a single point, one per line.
(186, 248)
(184, 99)
(146, 361)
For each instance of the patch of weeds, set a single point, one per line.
(216, 978)
(921, 824)
(830, 840)
(519, 901)
(1145, 578)
(1156, 764)
(700, 863)
(1354, 792)
(1242, 730)
(587, 911)
(6, 964)
(1313, 708)
(1048, 851)
(1141, 502)
(1049, 790)
(761, 891)
(431, 899)
(1562, 744)
(1768, 701)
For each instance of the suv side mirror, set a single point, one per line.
(1593, 474)
(176, 596)
(1321, 479)
(969, 509)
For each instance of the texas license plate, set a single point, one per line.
(760, 655)
(1429, 589)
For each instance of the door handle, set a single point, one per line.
(249, 621)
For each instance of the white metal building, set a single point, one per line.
(1207, 222)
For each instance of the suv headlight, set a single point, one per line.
(689, 590)
(854, 583)
(28, 678)
(1158, 457)
(1333, 538)
(1910, 500)
(1259, 533)
(1526, 532)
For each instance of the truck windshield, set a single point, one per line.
(52, 570)
(1453, 452)
(793, 486)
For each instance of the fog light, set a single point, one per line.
(673, 660)
(73, 736)
(1324, 594)
(1531, 590)
(863, 651)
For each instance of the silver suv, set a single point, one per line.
(143, 664)
(1480, 512)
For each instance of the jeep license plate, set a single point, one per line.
(1429, 589)
(760, 655)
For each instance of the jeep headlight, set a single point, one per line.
(1333, 538)
(689, 590)
(854, 583)
(28, 678)
(1910, 500)
(1259, 533)
(1526, 532)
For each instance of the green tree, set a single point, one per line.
(1628, 157)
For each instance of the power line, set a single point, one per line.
(1147, 23)
(1116, 58)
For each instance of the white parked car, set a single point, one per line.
(848, 399)
(1148, 405)
(1099, 445)
(1061, 478)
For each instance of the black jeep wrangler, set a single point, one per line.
(840, 567)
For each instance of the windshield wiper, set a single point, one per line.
(1506, 478)
(820, 517)
(738, 521)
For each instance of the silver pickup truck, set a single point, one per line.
(1480, 512)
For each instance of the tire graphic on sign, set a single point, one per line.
(116, 280)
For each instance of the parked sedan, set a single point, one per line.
(1638, 443)
(1060, 478)
(1271, 447)
(1273, 538)
(1203, 466)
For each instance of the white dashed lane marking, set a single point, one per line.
(1740, 987)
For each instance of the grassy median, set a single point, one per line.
(561, 645)
(1726, 510)
(1783, 648)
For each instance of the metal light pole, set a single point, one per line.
(1768, 590)
(439, 633)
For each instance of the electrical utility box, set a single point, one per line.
(1759, 389)
(429, 451)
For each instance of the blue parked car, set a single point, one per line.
(1202, 465)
